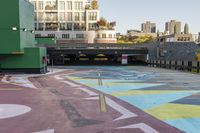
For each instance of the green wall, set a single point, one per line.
(31, 59)
(48, 41)
(9, 40)
(19, 14)
(26, 14)
(17, 50)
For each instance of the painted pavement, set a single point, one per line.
(100, 100)
(176, 102)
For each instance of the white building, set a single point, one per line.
(67, 20)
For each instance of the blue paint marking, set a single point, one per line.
(107, 88)
(188, 125)
(145, 102)
(123, 87)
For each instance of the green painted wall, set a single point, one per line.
(48, 41)
(9, 40)
(32, 59)
(20, 14)
(26, 15)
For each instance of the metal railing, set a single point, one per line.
(190, 66)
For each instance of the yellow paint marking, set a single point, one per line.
(102, 102)
(175, 111)
(147, 92)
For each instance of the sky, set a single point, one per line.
(129, 14)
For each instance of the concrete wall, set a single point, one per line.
(172, 50)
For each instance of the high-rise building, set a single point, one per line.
(67, 19)
(173, 27)
(186, 29)
(148, 27)
(199, 37)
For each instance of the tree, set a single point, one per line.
(186, 29)
(102, 22)
(95, 5)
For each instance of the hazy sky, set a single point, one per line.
(129, 14)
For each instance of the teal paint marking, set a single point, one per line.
(189, 125)
(110, 86)
(146, 101)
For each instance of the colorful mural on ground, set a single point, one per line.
(177, 107)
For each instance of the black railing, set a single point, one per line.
(190, 66)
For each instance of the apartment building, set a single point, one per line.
(67, 20)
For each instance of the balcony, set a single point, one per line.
(48, 7)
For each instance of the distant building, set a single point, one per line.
(138, 33)
(176, 38)
(119, 35)
(70, 21)
(186, 29)
(148, 27)
(173, 27)
(195, 37)
(133, 32)
(199, 37)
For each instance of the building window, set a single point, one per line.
(62, 16)
(76, 16)
(98, 35)
(83, 16)
(76, 26)
(51, 5)
(78, 5)
(40, 5)
(51, 35)
(92, 26)
(82, 26)
(52, 26)
(81, 36)
(37, 35)
(35, 26)
(62, 26)
(110, 35)
(65, 36)
(51, 17)
(103, 35)
(69, 26)
(40, 16)
(62, 5)
(69, 16)
(40, 26)
(35, 16)
(69, 5)
(92, 16)
(34, 4)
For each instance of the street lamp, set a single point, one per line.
(24, 29)
(32, 31)
(14, 28)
